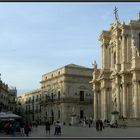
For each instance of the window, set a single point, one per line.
(58, 114)
(52, 96)
(36, 107)
(59, 95)
(81, 95)
(33, 117)
(59, 73)
(81, 114)
(36, 97)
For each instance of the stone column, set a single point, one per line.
(105, 103)
(103, 56)
(124, 49)
(117, 52)
(124, 100)
(95, 105)
(118, 97)
(135, 99)
(111, 50)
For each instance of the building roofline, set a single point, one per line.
(68, 66)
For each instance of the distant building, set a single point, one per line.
(29, 105)
(67, 94)
(7, 98)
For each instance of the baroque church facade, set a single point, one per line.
(116, 85)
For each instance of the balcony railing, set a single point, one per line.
(66, 100)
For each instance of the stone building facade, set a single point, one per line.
(117, 84)
(67, 94)
(29, 105)
(8, 97)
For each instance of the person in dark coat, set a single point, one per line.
(27, 129)
(97, 125)
(47, 127)
(101, 125)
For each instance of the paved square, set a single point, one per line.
(71, 131)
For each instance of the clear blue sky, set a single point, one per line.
(36, 38)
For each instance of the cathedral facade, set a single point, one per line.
(117, 84)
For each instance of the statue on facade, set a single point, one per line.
(115, 104)
(94, 65)
(73, 111)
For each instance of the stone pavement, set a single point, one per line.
(71, 131)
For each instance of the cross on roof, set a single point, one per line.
(116, 12)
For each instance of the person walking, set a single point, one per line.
(101, 125)
(97, 125)
(13, 128)
(22, 128)
(57, 128)
(27, 129)
(47, 127)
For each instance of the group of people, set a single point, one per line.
(14, 126)
(86, 122)
(57, 130)
(99, 125)
(25, 128)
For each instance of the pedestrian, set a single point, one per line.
(36, 124)
(22, 128)
(97, 125)
(84, 123)
(116, 124)
(47, 126)
(13, 128)
(57, 128)
(89, 123)
(101, 125)
(27, 129)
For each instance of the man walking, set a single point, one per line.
(47, 127)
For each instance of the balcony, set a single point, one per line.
(66, 100)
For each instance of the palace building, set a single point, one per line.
(117, 84)
(67, 94)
